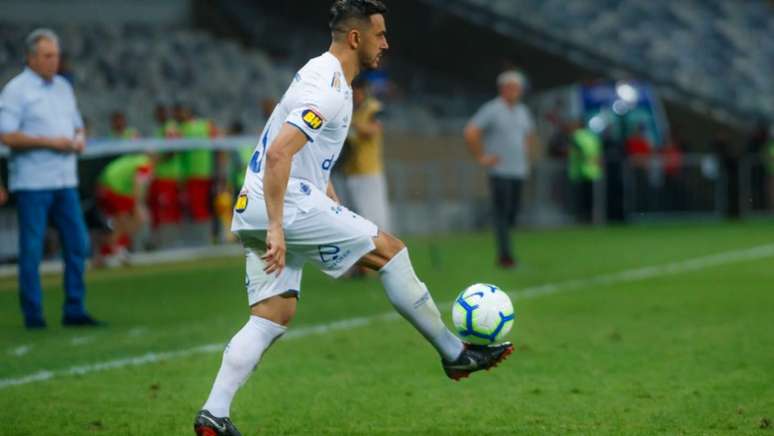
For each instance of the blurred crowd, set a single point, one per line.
(159, 199)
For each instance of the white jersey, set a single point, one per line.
(319, 103)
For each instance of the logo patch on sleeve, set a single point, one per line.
(312, 119)
(241, 203)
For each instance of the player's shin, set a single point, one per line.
(240, 358)
(412, 300)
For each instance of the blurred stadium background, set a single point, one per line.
(693, 76)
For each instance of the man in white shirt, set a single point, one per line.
(41, 124)
(287, 214)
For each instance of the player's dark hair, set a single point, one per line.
(343, 12)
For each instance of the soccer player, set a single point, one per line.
(287, 215)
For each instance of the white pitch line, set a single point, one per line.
(626, 276)
(81, 340)
(20, 350)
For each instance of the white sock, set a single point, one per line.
(240, 358)
(412, 300)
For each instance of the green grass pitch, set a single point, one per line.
(659, 351)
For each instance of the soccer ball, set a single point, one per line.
(482, 314)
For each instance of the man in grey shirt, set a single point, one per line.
(500, 136)
(41, 124)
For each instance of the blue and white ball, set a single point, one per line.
(483, 314)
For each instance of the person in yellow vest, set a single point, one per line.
(119, 128)
(198, 166)
(121, 190)
(164, 192)
(364, 164)
(585, 168)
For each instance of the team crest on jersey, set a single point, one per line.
(336, 82)
(241, 203)
(312, 119)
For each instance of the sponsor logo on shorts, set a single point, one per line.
(241, 203)
(305, 189)
(312, 119)
(331, 255)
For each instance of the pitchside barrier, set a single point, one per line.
(445, 195)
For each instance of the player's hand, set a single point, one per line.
(489, 160)
(79, 143)
(275, 250)
(63, 144)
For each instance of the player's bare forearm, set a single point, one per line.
(288, 142)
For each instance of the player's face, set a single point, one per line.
(45, 60)
(374, 43)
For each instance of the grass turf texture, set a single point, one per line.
(687, 353)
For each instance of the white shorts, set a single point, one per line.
(317, 230)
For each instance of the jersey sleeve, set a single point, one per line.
(10, 110)
(318, 103)
(483, 118)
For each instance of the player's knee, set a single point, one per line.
(395, 245)
(391, 246)
(279, 309)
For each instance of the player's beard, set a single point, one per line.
(371, 63)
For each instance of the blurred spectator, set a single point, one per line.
(757, 154)
(119, 128)
(231, 176)
(729, 153)
(241, 156)
(164, 191)
(121, 193)
(3, 194)
(769, 162)
(267, 107)
(638, 151)
(65, 70)
(585, 168)
(615, 155)
(559, 144)
(672, 158)
(41, 124)
(638, 147)
(166, 126)
(364, 165)
(501, 138)
(198, 170)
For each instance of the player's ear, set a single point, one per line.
(354, 38)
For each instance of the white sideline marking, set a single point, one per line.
(137, 331)
(81, 340)
(626, 276)
(20, 350)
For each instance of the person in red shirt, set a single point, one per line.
(638, 146)
(638, 151)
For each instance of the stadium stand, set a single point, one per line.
(704, 49)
